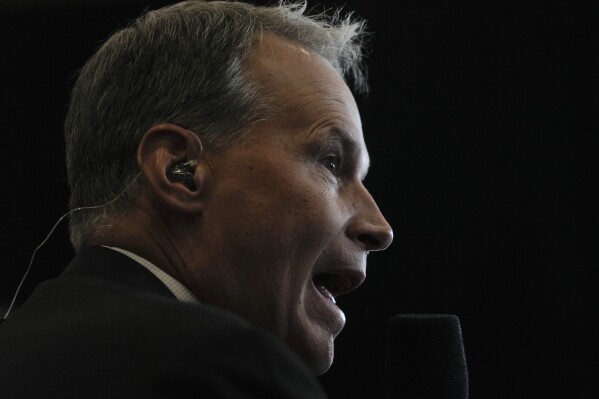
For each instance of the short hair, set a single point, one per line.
(181, 64)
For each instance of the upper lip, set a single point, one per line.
(340, 278)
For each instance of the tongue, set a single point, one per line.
(326, 293)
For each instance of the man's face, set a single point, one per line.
(288, 222)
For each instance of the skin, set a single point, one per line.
(267, 216)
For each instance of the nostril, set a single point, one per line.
(375, 240)
(370, 243)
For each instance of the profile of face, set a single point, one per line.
(288, 221)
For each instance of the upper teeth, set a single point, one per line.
(324, 291)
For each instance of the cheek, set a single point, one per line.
(280, 215)
(292, 211)
(312, 217)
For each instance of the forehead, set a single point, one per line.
(287, 70)
(304, 89)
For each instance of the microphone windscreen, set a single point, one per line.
(425, 357)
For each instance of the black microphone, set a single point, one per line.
(426, 357)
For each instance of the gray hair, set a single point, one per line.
(181, 64)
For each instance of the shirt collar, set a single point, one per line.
(179, 290)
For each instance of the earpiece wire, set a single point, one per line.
(14, 298)
(16, 294)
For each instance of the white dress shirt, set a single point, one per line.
(179, 290)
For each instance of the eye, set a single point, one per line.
(331, 162)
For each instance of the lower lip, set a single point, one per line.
(330, 313)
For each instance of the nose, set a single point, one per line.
(369, 228)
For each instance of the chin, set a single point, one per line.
(318, 355)
(324, 365)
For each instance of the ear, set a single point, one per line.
(162, 147)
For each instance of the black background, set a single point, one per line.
(482, 129)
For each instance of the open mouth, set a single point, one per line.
(324, 291)
(324, 283)
(338, 279)
(331, 285)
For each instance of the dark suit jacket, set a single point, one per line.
(108, 328)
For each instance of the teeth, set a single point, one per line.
(326, 293)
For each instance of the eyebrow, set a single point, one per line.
(350, 146)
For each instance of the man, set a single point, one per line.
(215, 158)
